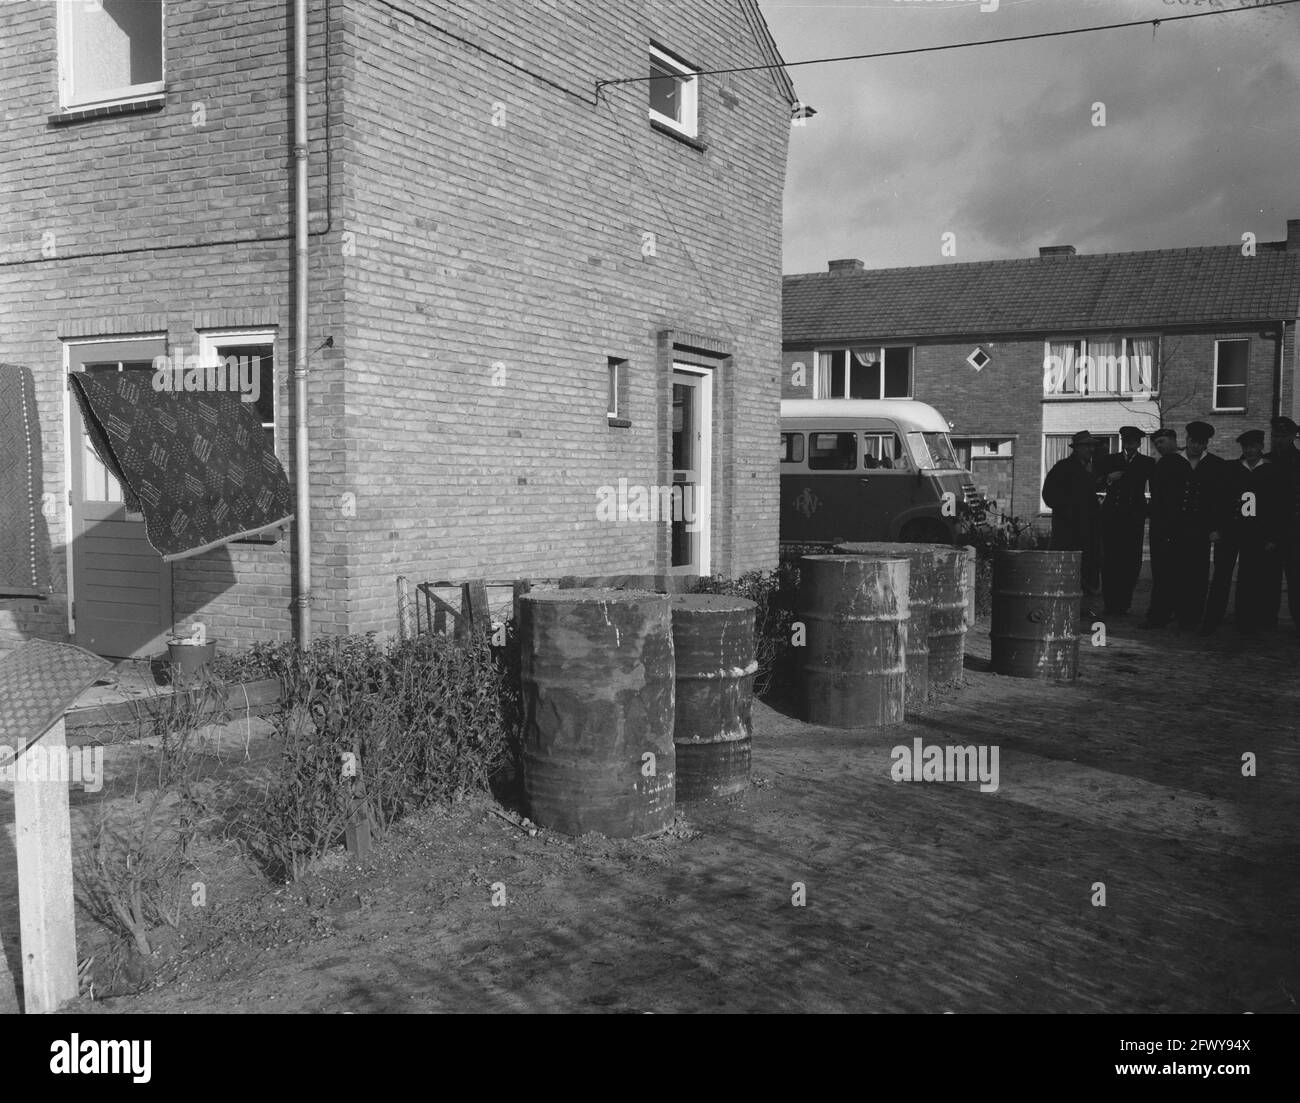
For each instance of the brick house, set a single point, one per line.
(1020, 354)
(522, 288)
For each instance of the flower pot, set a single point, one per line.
(189, 659)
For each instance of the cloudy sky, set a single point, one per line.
(997, 145)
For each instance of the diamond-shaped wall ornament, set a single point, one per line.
(978, 358)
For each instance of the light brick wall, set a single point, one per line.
(471, 245)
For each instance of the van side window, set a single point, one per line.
(832, 452)
(792, 448)
(884, 451)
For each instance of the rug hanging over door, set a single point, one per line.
(196, 464)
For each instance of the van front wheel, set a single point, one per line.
(925, 531)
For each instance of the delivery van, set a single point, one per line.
(871, 469)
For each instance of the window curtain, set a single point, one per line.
(1060, 378)
(1104, 375)
(1056, 448)
(1142, 363)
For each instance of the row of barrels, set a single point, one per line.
(886, 624)
(633, 701)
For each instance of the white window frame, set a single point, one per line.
(821, 378)
(1215, 398)
(689, 127)
(209, 339)
(132, 94)
(616, 383)
(1126, 382)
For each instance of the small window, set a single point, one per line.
(1231, 367)
(110, 51)
(832, 452)
(618, 408)
(792, 448)
(674, 93)
(249, 359)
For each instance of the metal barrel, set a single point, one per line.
(1036, 598)
(713, 640)
(969, 584)
(921, 558)
(596, 670)
(947, 615)
(853, 667)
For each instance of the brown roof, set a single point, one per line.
(1163, 287)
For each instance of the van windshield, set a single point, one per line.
(935, 451)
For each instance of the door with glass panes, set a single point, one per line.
(692, 419)
(121, 588)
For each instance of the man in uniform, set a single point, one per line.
(1070, 492)
(1123, 518)
(1252, 525)
(1286, 455)
(1169, 481)
(1202, 515)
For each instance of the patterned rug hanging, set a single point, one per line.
(197, 464)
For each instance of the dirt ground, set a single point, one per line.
(920, 897)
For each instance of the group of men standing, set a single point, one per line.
(1246, 510)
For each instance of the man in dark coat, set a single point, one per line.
(1168, 489)
(1070, 492)
(1253, 523)
(1201, 518)
(1286, 455)
(1123, 518)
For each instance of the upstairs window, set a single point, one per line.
(674, 93)
(871, 372)
(1231, 367)
(110, 51)
(1101, 367)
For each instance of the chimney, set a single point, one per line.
(1056, 250)
(1293, 235)
(845, 267)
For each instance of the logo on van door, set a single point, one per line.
(807, 503)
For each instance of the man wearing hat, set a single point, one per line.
(1070, 492)
(1202, 517)
(1286, 455)
(1252, 525)
(1168, 491)
(1124, 477)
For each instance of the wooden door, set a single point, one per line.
(121, 588)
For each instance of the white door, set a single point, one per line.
(692, 445)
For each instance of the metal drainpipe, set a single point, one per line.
(302, 479)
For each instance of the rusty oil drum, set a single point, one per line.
(947, 615)
(852, 667)
(1036, 599)
(713, 640)
(598, 695)
(921, 558)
